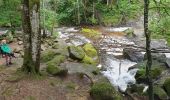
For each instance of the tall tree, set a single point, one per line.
(148, 50)
(32, 35)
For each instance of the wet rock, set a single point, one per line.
(168, 63)
(133, 55)
(104, 91)
(159, 93)
(76, 53)
(167, 86)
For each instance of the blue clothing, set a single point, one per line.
(5, 48)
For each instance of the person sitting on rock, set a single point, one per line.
(6, 52)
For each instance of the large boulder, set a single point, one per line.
(155, 43)
(57, 60)
(48, 55)
(133, 55)
(56, 70)
(76, 53)
(104, 91)
(167, 86)
(159, 57)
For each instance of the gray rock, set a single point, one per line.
(133, 55)
(155, 43)
(168, 63)
(81, 68)
(17, 50)
(158, 57)
(20, 42)
(43, 48)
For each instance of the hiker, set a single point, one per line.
(6, 52)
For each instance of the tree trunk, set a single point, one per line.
(36, 34)
(31, 37)
(28, 64)
(148, 50)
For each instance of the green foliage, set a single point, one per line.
(141, 75)
(167, 86)
(159, 93)
(104, 91)
(10, 14)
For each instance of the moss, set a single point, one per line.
(55, 46)
(167, 86)
(136, 88)
(47, 55)
(141, 75)
(104, 91)
(90, 50)
(55, 70)
(71, 86)
(88, 60)
(76, 53)
(91, 33)
(57, 60)
(159, 93)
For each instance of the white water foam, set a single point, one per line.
(120, 77)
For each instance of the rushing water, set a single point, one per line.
(116, 69)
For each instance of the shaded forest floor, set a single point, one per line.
(17, 86)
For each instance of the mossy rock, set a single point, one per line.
(76, 53)
(90, 50)
(104, 91)
(57, 60)
(88, 60)
(159, 93)
(55, 70)
(141, 75)
(136, 88)
(167, 86)
(47, 55)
